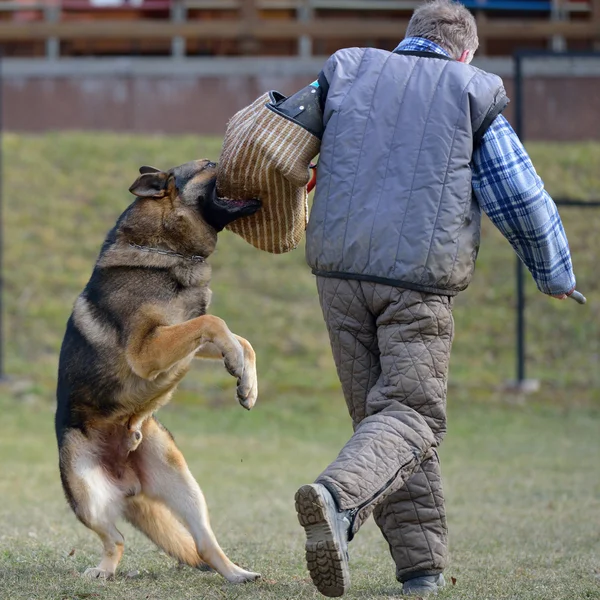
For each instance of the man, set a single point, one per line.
(414, 147)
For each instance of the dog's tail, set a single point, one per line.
(156, 521)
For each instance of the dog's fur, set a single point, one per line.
(131, 338)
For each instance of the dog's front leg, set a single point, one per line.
(152, 350)
(247, 390)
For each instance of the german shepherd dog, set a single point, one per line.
(131, 338)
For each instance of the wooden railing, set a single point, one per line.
(253, 23)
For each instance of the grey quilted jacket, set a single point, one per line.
(394, 202)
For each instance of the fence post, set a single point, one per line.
(558, 42)
(52, 15)
(520, 286)
(2, 373)
(178, 15)
(521, 384)
(249, 13)
(304, 15)
(596, 20)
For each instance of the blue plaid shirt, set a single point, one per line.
(512, 195)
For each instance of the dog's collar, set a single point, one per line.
(194, 258)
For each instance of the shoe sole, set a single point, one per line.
(325, 559)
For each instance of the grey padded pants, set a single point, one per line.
(391, 347)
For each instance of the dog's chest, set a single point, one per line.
(191, 303)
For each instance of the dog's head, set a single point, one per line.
(184, 204)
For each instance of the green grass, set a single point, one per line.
(521, 476)
(521, 485)
(64, 191)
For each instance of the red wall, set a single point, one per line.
(556, 108)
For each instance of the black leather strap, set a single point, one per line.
(324, 87)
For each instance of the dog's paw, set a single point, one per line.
(247, 389)
(234, 360)
(246, 400)
(96, 573)
(243, 577)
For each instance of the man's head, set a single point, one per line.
(448, 24)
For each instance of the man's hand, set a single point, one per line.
(313, 178)
(563, 296)
(577, 296)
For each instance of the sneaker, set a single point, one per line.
(326, 539)
(423, 586)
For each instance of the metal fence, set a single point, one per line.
(521, 382)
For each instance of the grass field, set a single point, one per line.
(522, 476)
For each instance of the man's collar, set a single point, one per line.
(421, 44)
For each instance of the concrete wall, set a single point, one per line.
(197, 96)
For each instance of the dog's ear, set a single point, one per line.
(148, 169)
(151, 185)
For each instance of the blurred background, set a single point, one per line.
(85, 81)
(91, 90)
(143, 65)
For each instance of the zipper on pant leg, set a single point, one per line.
(354, 511)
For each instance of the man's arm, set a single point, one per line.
(512, 194)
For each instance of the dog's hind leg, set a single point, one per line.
(112, 541)
(155, 520)
(96, 498)
(165, 477)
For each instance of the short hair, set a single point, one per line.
(447, 23)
